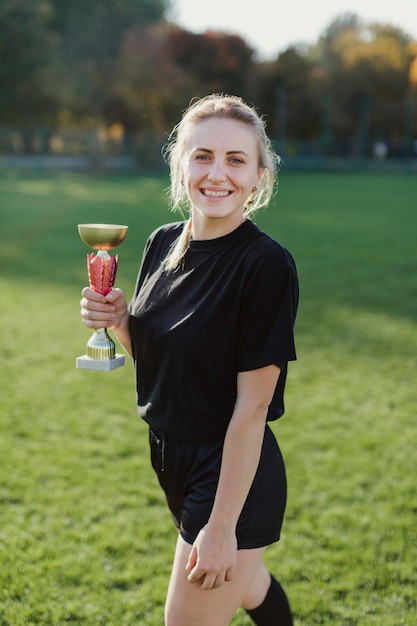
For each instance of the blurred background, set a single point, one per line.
(93, 83)
(89, 92)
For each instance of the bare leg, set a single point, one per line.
(187, 605)
(266, 601)
(256, 593)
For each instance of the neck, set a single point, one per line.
(213, 228)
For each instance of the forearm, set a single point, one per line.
(213, 556)
(241, 454)
(243, 444)
(123, 335)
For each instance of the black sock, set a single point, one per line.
(274, 610)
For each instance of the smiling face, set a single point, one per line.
(220, 170)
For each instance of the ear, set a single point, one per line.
(260, 174)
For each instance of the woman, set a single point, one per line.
(210, 330)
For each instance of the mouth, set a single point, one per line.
(211, 193)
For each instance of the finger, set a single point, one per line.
(95, 306)
(96, 320)
(195, 575)
(219, 580)
(192, 560)
(209, 582)
(90, 294)
(230, 574)
(114, 295)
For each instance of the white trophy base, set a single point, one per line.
(103, 365)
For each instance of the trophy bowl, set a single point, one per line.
(102, 236)
(102, 268)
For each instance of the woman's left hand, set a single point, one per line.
(212, 559)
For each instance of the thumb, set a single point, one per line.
(114, 295)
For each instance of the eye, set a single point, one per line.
(236, 160)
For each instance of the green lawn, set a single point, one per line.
(85, 537)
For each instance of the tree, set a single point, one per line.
(148, 88)
(93, 29)
(91, 35)
(290, 96)
(365, 74)
(58, 55)
(25, 45)
(216, 61)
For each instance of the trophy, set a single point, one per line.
(101, 349)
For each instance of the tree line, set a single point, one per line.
(71, 64)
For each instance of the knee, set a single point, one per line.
(258, 589)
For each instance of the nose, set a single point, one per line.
(216, 173)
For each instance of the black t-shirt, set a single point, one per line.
(230, 309)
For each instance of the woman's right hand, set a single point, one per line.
(98, 311)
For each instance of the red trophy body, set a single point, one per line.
(102, 268)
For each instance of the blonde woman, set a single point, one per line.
(210, 330)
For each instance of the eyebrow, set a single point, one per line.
(228, 152)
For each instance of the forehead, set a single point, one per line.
(219, 134)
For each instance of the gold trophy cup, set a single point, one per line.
(102, 268)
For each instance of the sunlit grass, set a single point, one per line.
(85, 536)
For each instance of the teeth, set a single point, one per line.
(216, 194)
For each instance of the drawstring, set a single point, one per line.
(161, 442)
(163, 455)
(161, 438)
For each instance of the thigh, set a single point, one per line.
(188, 605)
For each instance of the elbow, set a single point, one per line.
(260, 413)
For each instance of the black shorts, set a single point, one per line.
(189, 473)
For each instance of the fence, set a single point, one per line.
(116, 149)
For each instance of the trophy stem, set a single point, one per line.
(101, 346)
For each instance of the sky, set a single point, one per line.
(271, 26)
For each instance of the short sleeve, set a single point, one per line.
(269, 307)
(155, 250)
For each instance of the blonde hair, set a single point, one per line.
(222, 107)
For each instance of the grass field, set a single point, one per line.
(85, 537)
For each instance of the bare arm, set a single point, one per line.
(213, 556)
(109, 311)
